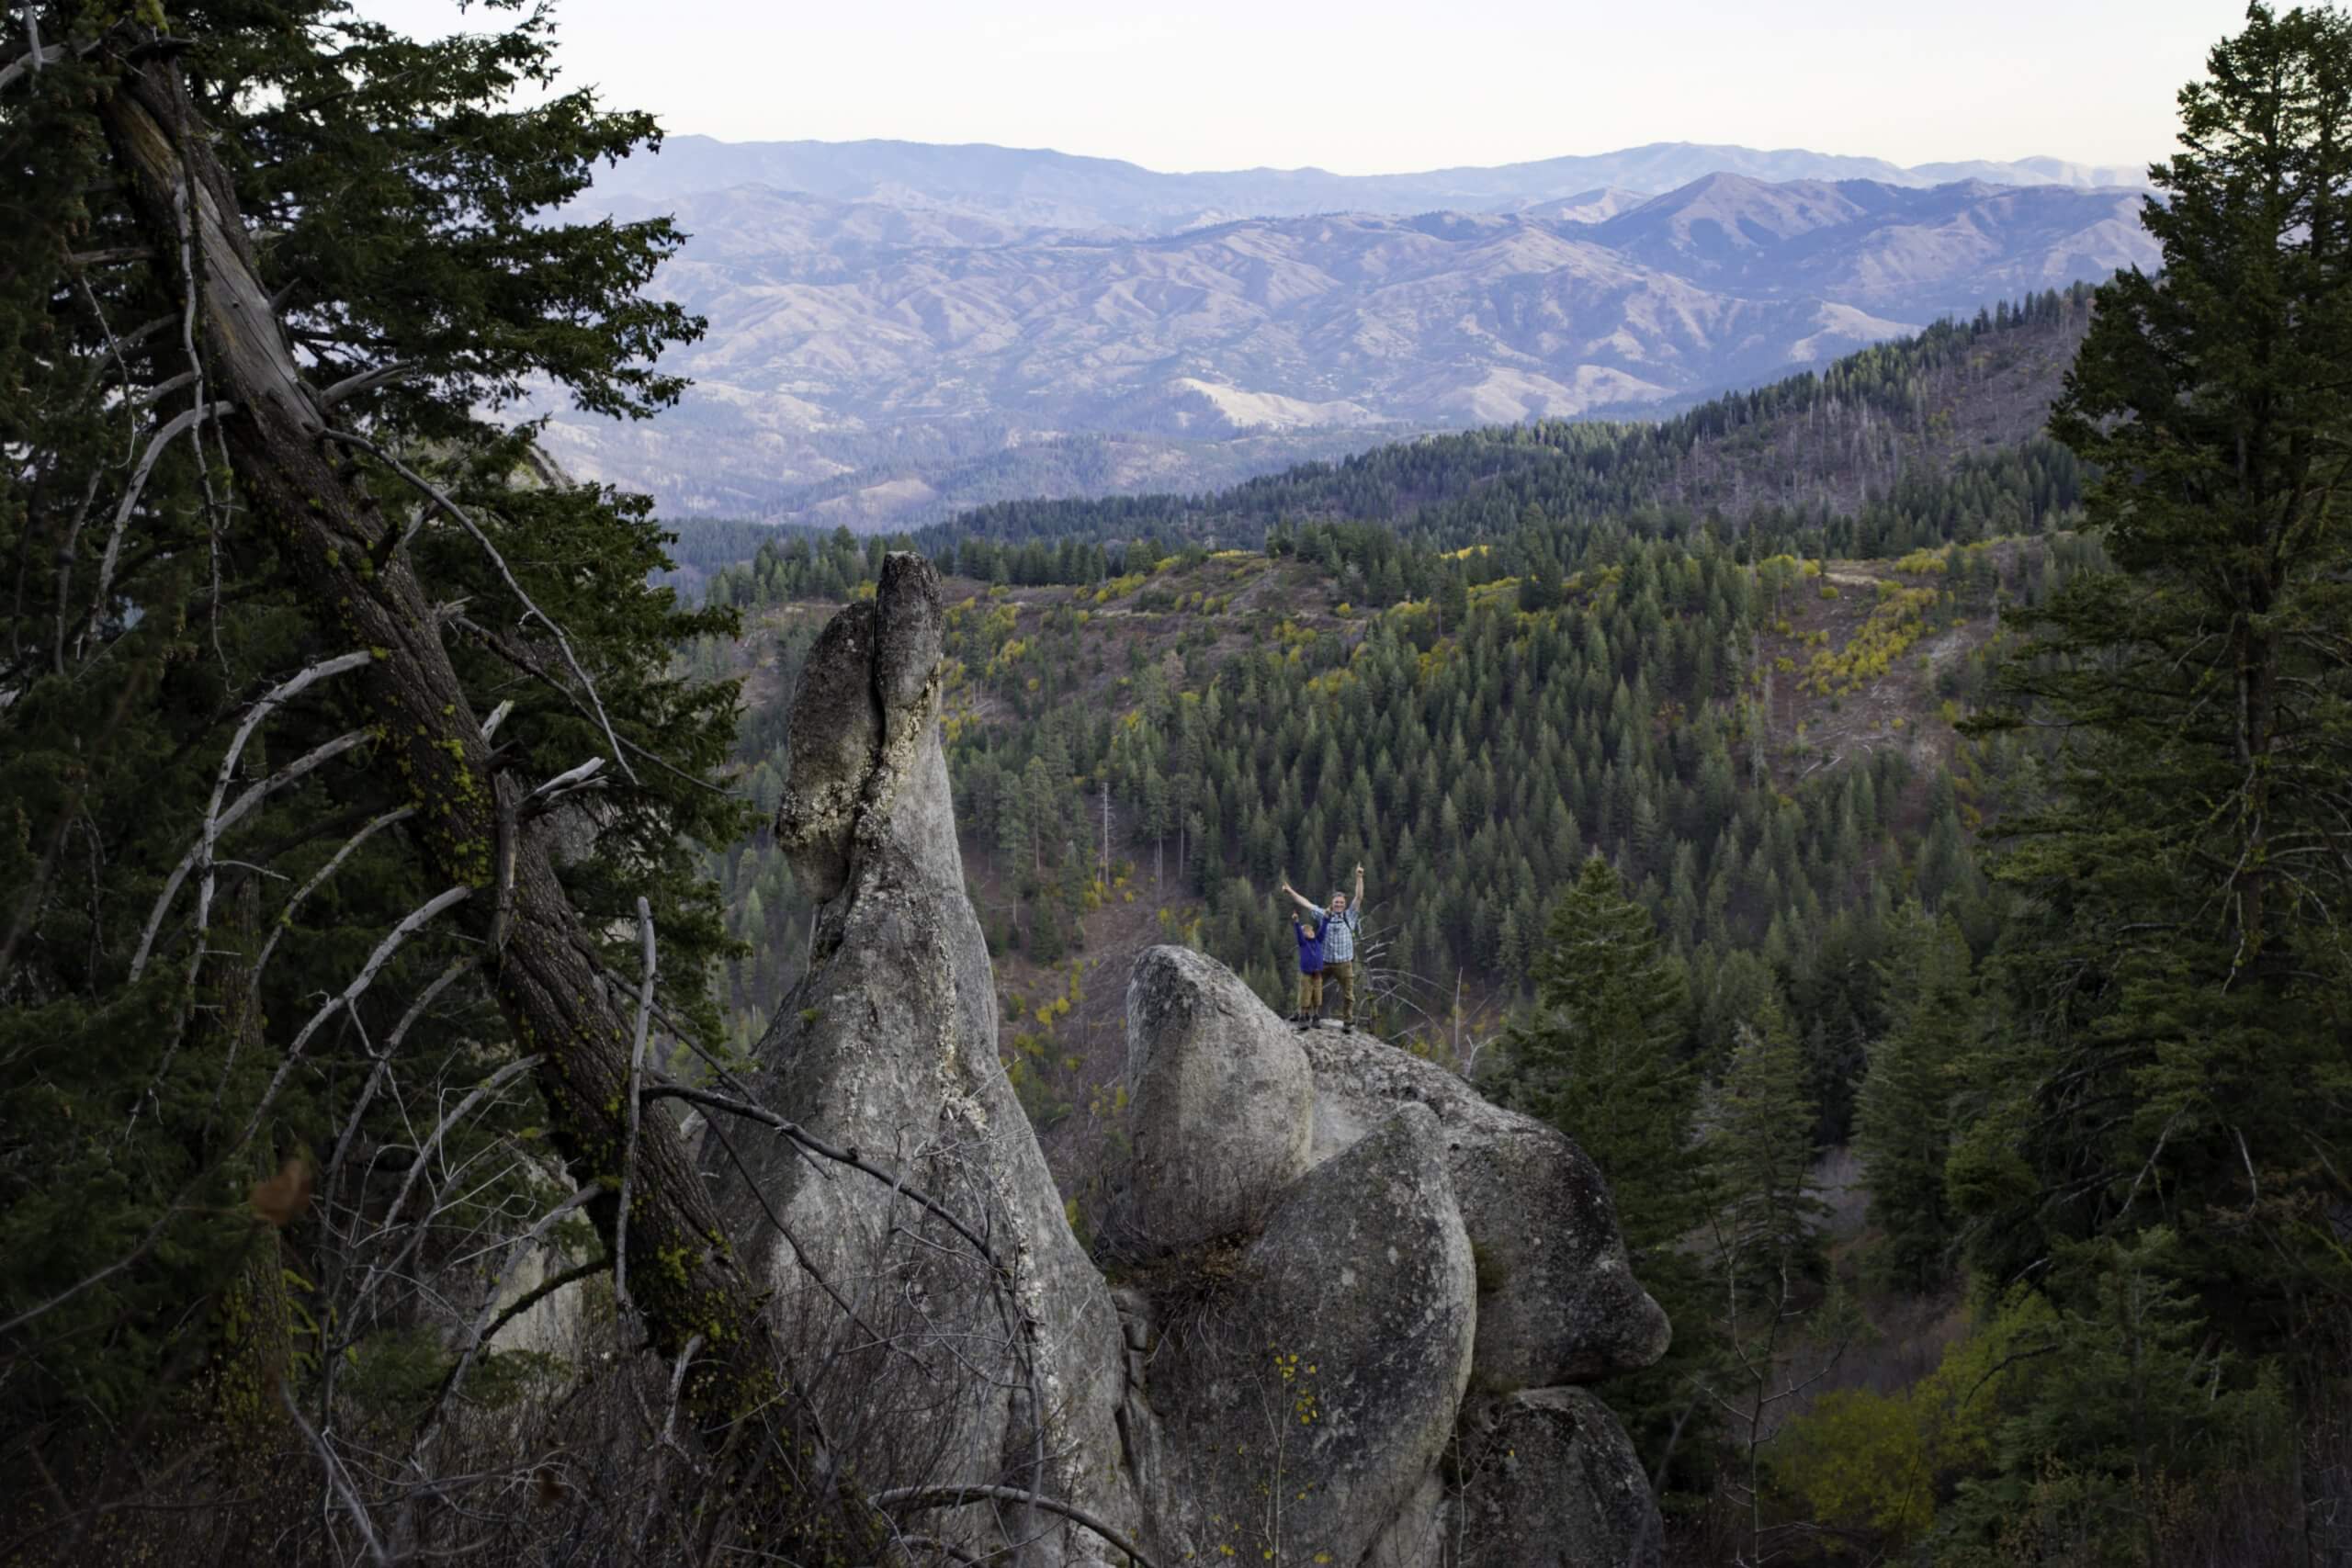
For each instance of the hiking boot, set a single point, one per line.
(1347, 1026)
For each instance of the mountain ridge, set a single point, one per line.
(1045, 187)
(861, 355)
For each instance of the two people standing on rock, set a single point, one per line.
(1327, 950)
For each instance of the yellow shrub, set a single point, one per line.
(1871, 1462)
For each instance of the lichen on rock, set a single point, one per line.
(1550, 1479)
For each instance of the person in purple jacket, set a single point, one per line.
(1311, 971)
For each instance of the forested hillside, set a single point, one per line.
(1864, 453)
(1763, 749)
(1750, 716)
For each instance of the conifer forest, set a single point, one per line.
(1894, 817)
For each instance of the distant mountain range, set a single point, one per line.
(1035, 188)
(909, 330)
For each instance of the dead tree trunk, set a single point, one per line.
(689, 1285)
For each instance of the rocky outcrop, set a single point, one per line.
(1550, 1299)
(1331, 1243)
(1549, 1480)
(943, 1363)
(1560, 1304)
(1221, 1107)
(1309, 1398)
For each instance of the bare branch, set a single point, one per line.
(414, 921)
(308, 761)
(541, 1293)
(365, 381)
(335, 1476)
(478, 1334)
(531, 609)
(286, 915)
(666, 1440)
(285, 692)
(425, 998)
(161, 389)
(563, 783)
(808, 1141)
(65, 568)
(30, 62)
(635, 1108)
(108, 256)
(521, 660)
(917, 1497)
(162, 439)
(376, 1271)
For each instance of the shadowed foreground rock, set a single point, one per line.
(1551, 1301)
(1550, 1479)
(1307, 1400)
(1284, 1375)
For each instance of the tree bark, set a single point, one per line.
(331, 538)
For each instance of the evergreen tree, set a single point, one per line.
(311, 637)
(1765, 1245)
(2176, 981)
(1600, 1058)
(1904, 1111)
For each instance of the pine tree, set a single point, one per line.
(1765, 1245)
(2180, 976)
(1600, 1057)
(1904, 1111)
(279, 701)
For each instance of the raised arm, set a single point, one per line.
(1357, 901)
(1304, 903)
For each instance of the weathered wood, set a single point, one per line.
(689, 1284)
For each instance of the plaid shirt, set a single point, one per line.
(1339, 934)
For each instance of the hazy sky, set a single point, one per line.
(1370, 86)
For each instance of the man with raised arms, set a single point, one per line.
(1336, 929)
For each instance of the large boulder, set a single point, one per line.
(1559, 1303)
(1550, 1479)
(1220, 1104)
(1310, 1397)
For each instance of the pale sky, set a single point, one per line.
(1371, 87)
